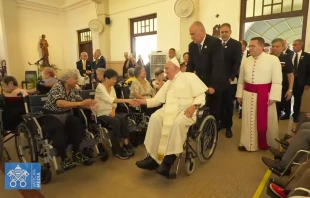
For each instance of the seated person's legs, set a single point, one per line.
(303, 182)
(75, 131)
(119, 130)
(301, 142)
(164, 144)
(54, 129)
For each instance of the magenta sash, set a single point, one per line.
(262, 91)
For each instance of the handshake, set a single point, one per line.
(136, 102)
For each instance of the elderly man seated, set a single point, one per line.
(300, 142)
(181, 95)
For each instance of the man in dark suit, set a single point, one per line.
(232, 57)
(100, 62)
(287, 50)
(84, 66)
(206, 58)
(277, 46)
(244, 55)
(301, 63)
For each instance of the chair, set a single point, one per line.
(30, 77)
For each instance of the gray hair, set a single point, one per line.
(100, 70)
(131, 72)
(70, 73)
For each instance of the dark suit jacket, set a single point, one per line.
(287, 67)
(289, 52)
(79, 66)
(101, 64)
(232, 57)
(303, 72)
(209, 64)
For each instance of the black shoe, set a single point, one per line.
(81, 158)
(163, 169)
(122, 155)
(276, 167)
(228, 133)
(128, 149)
(241, 148)
(283, 142)
(67, 164)
(285, 117)
(148, 163)
(276, 153)
(296, 120)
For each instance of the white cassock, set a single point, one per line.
(260, 80)
(168, 126)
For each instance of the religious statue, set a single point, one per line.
(44, 47)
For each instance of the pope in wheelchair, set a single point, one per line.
(167, 131)
(59, 120)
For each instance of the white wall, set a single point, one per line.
(76, 19)
(25, 23)
(121, 11)
(2, 36)
(229, 11)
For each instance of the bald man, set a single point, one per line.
(100, 61)
(206, 58)
(84, 66)
(181, 95)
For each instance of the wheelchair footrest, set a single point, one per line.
(276, 172)
(88, 143)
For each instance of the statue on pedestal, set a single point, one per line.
(44, 47)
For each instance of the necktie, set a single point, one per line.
(199, 48)
(296, 64)
(84, 65)
(224, 43)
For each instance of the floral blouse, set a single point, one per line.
(145, 90)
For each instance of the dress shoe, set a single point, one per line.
(296, 120)
(277, 166)
(163, 169)
(228, 133)
(148, 163)
(241, 148)
(285, 117)
(276, 153)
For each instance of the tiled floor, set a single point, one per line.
(229, 173)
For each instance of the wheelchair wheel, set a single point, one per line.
(104, 154)
(25, 143)
(207, 138)
(189, 166)
(46, 175)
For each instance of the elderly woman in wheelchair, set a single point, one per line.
(105, 95)
(10, 87)
(59, 120)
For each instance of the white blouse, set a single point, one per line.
(105, 100)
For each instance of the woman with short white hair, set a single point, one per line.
(60, 120)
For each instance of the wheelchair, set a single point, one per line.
(97, 128)
(282, 174)
(35, 142)
(100, 129)
(141, 120)
(204, 133)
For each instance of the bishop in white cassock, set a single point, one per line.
(259, 87)
(181, 95)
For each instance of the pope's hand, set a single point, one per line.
(140, 101)
(189, 112)
(211, 90)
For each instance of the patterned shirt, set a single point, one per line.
(58, 92)
(145, 90)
